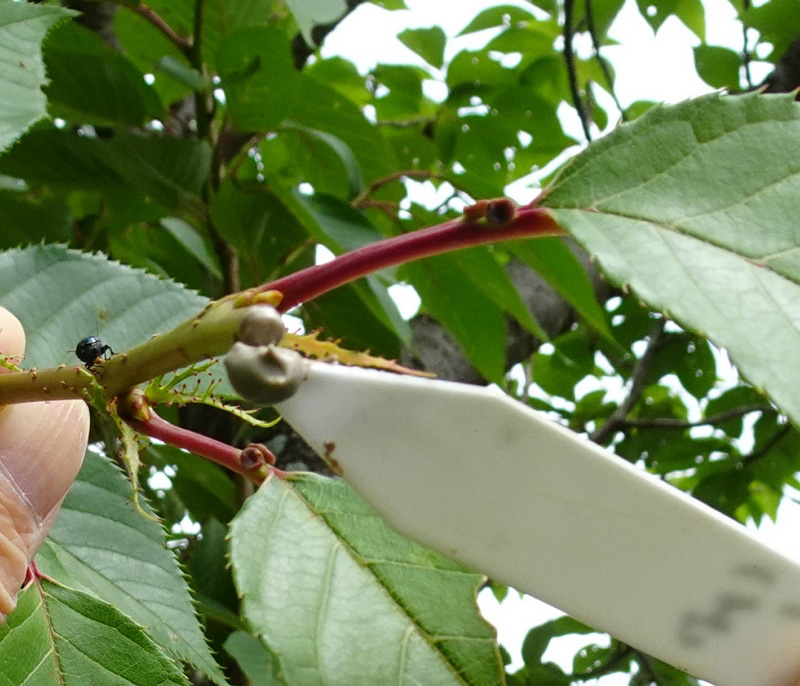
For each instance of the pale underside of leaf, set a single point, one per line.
(334, 617)
(695, 208)
(22, 29)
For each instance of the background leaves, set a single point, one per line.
(22, 29)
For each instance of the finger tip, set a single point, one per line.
(12, 336)
(42, 446)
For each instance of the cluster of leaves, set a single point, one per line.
(208, 146)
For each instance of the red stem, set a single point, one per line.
(310, 282)
(216, 451)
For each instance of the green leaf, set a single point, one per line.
(101, 545)
(427, 43)
(692, 13)
(655, 12)
(538, 639)
(486, 272)
(321, 107)
(467, 312)
(259, 665)
(341, 228)
(405, 98)
(343, 75)
(62, 295)
(348, 313)
(559, 372)
(260, 81)
(501, 15)
(30, 218)
(152, 52)
(23, 27)
(191, 78)
(203, 487)
(552, 259)
(169, 170)
(688, 357)
(718, 66)
(268, 236)
(738, 396)
(242, 13)
(310, 13)
(341, 598)
(192, 242)
(776, 21)
(694, 207)
(92, 83)
(61, 637)
(355, 180)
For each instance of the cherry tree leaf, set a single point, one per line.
(23, 27)
(695, 208)
(61, 637)
(340, 598)
(101, 545)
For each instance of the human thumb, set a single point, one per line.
(42, 446)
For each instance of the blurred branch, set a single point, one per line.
(151, 16)
(614, 663)
(786, 76)
(673, 423)
(618, 418)
(407, 123)
(362, 197)
(768, 445)
(600, 59)
(569, 59)
(746, 57)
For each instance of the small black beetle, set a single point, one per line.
(89, 349)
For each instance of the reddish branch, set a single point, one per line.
(459, 233)
(243, 462)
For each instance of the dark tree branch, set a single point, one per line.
(362, 197)
(638, 384)
(746, 57)
(614, 663)
(600, 59)
(786, 76)
(97, 17)
(569, 59)
(673, 423)
(768, 445)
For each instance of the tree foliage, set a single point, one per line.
(157, 156)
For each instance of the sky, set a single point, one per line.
(647, 67)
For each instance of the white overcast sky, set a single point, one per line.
(648, 67)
